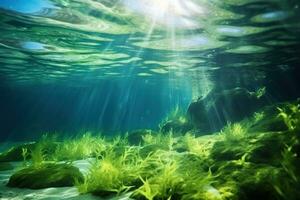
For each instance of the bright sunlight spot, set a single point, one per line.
(174, 13)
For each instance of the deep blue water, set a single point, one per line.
(104, 106)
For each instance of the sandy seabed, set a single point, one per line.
(70, 193)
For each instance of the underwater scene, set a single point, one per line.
(150, 99)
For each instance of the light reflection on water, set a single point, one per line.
(117, 40)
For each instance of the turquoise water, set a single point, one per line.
(122, 65)
(150, 99)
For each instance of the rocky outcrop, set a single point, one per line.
(135, 137)
(45, 176)
(212, 112)
(15, 153)
(5, 166)
(176, 126)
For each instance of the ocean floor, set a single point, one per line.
(54, 193)
(256, 158)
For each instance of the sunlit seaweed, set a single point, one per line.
(291, 116)
(79, 148)
(233, 132)
(220, 166)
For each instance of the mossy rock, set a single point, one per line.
(15, 153)
(225, 150)
(180, 145)
(136, 137)
(45, 176)
(176, 126)
(255, 181)
(263, 182)
(6, 166)
(221, 106)
(259, 148)
(151, 148)
(267, 147)
(270, 121)
(189, 160)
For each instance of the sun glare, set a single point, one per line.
(176, 13)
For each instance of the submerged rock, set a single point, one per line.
(250, 181)
(15, 153)
(146, 150)
(136, 137)
(176, 126)
(269, 121)
(5, 166)
(259, 148)
(211, 113)
(45, 176)
(268, 147)
(260, 165)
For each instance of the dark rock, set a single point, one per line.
(45, 176)
(267, 148)
(190, 160)
(270, 121)
(150, 148)
(224, 150)
(255, 167)
(104, 193)
(176, 126)
(212, 112)
(261, 148)
(254, 181)
(259, 181)
(136, 137)
(180, 147)
(5, 166)
(15, 153)
(278, 86)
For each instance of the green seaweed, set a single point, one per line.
(37, 155)
(257, 116)
(147, 190)
(289, 158)
(199, 146)
(290, 115)
(165, 141)
(199, 188)
(79, 148)
(112, 173)
(25, 155)
(233, 132)
(260, 92)
(232, 164)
